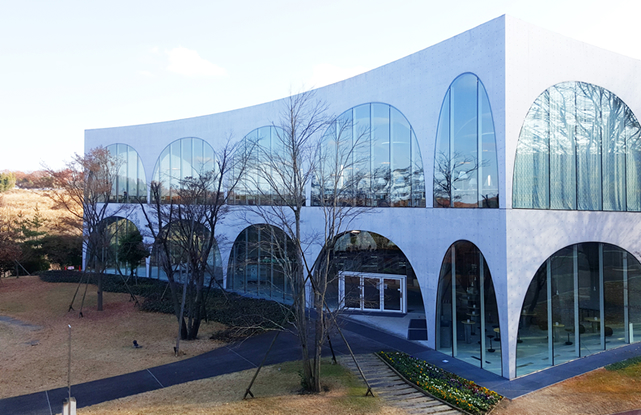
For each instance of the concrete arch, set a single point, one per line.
(467, 316)
(590, 292)
(260, 260)
(178, 260)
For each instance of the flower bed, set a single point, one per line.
(444, 385)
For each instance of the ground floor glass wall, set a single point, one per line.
(113, 233)
(261, 262)
(179, 259)
(584, 299)
(467, 324)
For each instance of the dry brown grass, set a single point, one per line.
(275, 391)
(101, 341)
(24, 201)
(598, 392)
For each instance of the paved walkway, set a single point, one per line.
(248, 354)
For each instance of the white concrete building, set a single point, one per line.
(507, 156)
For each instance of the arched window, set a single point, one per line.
(186, 244)
(579, 149)
(467, 324)
(130, 185)
(112, 248)
(465, 165)
(257, 156)
(186, 157)
(261, 263)
(370, 157)
(583, 299)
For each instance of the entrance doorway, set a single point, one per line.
(373, 292)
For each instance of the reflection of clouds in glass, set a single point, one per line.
(186, 157)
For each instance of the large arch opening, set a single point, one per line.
(181, 241)
(584, 299)
(370, 275)
(130, 185)
(117, 248)
(261, 263)
(183, 158)
(467, 323)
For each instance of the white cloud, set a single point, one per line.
(325, 74)
(145, 73)
(188, 62)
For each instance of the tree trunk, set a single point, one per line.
(100, 291)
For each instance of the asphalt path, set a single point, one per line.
(249, 353)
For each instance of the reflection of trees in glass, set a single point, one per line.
(465, 165)
(374, 151)
(184, 158)
(261, 258)
(591, 315)
(578, 149)
(258, 182)
(452, 176)
(130, 183)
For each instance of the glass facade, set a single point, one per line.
(467, 323)
(131, 184)
(114, 229)
(256, 180)
(186, 157)
(370, 157)
(582, 300)
(465, 165)
(179, 237)
(261, 262)
(579, 149)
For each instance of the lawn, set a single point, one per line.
(276, 390)
(34, 358)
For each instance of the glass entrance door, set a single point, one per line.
(392, 298)
(373, 292)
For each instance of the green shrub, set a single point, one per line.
(245, 316)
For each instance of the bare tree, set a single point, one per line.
(84, 188)
(183, 222)
(299, 156)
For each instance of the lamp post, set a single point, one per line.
(69, 406)
(69, 366)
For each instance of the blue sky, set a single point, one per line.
(68, 66)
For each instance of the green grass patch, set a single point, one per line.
(442, 384)
(630, 365)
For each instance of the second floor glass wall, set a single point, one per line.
(186, 157)
(130, 184)
(465, 165)
(370, 156)
(579, 149)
